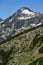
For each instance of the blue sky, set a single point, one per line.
(8, 7)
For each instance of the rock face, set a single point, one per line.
(22, 19)
(1, 19)
(21, 38)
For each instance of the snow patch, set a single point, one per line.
(27, 12)
(3, 25)
(27, 15)
(24, 18)
(3, 36)
(1, 21)
(35, 24)
(11, 20)
(38, 24)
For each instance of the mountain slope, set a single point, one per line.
(24, 49)
(21, 38)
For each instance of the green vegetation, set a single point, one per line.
(25, 48)
(41, 50)
(37, 62)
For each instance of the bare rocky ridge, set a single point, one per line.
(22, 19)
(24, 46)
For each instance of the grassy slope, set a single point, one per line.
(25, 48)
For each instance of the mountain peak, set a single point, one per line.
(26, 8)
(24, 13)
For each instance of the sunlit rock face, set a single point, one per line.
(23, 18)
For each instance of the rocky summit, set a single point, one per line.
(21, 38)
